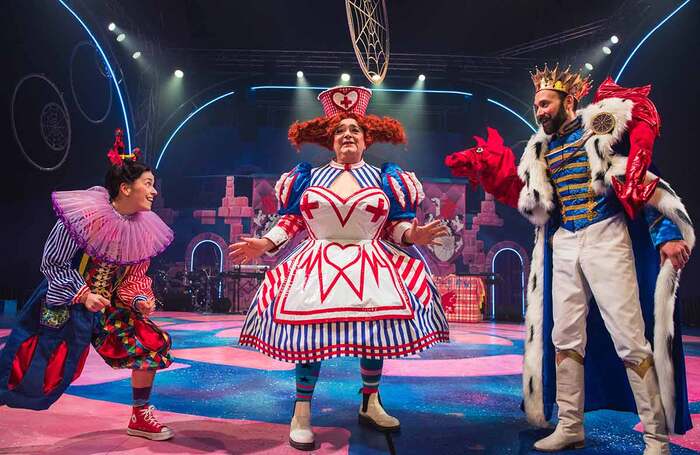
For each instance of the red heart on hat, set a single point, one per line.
(346, 101)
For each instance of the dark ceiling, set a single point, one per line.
(443, 27)
(460, 40)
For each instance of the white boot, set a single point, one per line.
(645, 387)
(301, 436)
(570, 395)
(372, 413)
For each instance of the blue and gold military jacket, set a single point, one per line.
(578, 204)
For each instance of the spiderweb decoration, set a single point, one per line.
(369, 32)
(54, 127)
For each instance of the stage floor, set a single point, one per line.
(457, 398)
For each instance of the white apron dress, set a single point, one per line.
(346, 290)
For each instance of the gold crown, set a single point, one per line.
(565, 81)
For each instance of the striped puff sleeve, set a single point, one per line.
(288, 190)
(66, 285)
(405, 193)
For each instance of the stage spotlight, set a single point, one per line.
(300, 74)
(614, 39)
(606, 50)
(179, 74)
(136, 55)
(345, 77)
(112, 26)
(121, 37)
(421, 77)
(589, 67)
(376, 77)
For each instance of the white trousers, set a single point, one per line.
(599, 261)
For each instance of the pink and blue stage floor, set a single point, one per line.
(457, 398)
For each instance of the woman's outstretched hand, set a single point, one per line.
(249, 248)
(426, 234)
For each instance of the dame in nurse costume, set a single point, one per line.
(357, 286)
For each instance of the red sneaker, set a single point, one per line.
(143, 423)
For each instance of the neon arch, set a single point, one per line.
(647, 36)
(522, 279)
(187, 119)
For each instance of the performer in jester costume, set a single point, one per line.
(96, 292)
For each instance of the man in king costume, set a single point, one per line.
(602, 326)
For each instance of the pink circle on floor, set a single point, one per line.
(198, 317)
(691, 339)
(96, 371)
(235, 357)
(205, 326)
(230, 333)
(479, 338)
(692, 375)
(496, 365)
(81, 425)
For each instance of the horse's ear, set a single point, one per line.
(494, 138)
(480, 142)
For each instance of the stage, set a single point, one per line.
(457, 398)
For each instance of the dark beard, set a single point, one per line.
(552, 125)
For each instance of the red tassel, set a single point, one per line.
(117, 149)
(22, 360)
(119, 140)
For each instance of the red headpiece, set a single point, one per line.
(346, 102)
(116, 154)
(344, 99)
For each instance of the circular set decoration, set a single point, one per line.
(103, 72)
(54, 124)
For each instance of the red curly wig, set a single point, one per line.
(321, 130)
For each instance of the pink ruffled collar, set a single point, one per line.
(104, 233)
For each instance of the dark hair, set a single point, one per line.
(562, 97)
(128, 173)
